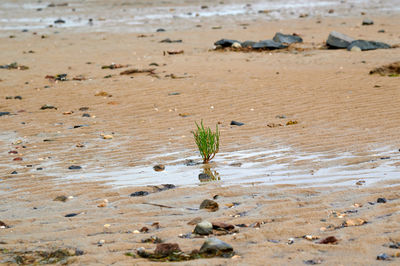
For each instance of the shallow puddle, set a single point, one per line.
(249, 167)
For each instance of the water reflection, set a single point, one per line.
(208, 175)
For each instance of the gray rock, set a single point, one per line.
(368, 45)
(4, 113)
(269, 44)
(203, 177)
(286, 38)
(248, 44)
(367, 22)
(215, 246)
(225, 42)
(203, 228)
(338, 40)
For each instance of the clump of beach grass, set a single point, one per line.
(207, 141)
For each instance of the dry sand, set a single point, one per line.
(339, 108)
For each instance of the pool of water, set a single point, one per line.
(139, 16)
(248, 167)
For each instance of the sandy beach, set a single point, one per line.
(319, 146)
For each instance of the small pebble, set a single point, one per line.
(74, 167)
(381, 200)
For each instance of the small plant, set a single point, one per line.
(207, 141)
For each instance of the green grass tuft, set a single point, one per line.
(207, 141)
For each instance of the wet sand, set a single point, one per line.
(340, 109)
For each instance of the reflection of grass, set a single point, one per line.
(214, 175)
(207, 141)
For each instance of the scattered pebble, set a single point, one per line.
(74, 167)
(61, 198)
(235, 123)
(367, 22)
(381, 200)
(215, 246)
(209, 205)
(139, 194)
(329, 240)
(159, 167)
(383, 256)
(71, 215)
(203, 228)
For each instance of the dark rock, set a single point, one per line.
(14, 172)
(383, 256)
(167, 186)
(385, 158)
(165, 249)
(203, 177)
(61, 198)
(85, 115)
(338, 40)
(144, 229)
(313, 262)
(74, 167)
(286, 38)
(381, 31)
(84, 108)
(248, 44)
(79, 252)
(59, 21)
(18, 97)
(394, 245)
(209, 205)
(367, 22)
(223, 226)
(168, 40)
(3, 225)
(71, 215)
(235, 123)
(46, 106)
(329, 240)
(368, 45)
(203, 228)
(4, 113)
(159, 167)
(153, 64)
(160, 30)
(139, 194)
(269, 45)
(225, 42)
(39, 169)
(381, 200)
(216, 247)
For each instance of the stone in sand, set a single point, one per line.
(216, 246)
(61, 198)
(381, 200)
(286, 38)
(338, 40)
(203, 228)
(139, 194)
(165, 249)
(367, 22)
(236, 123)
(203, 177)
(74, 167)
(368, 45)
(4, 113)
(209, 205)
(225, 43)
(269, 45)
(223, 226)
(159, 167)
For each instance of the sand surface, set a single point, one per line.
(347, 131)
